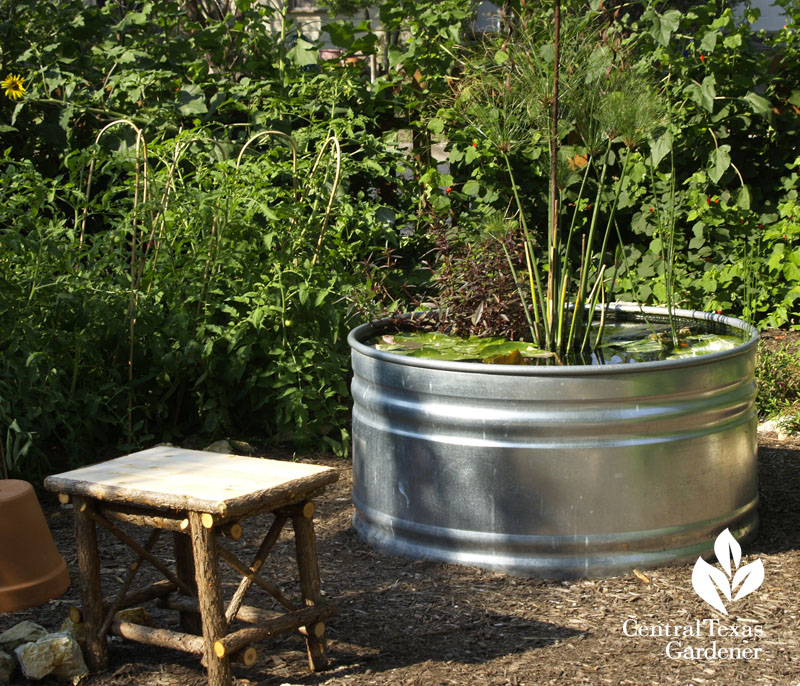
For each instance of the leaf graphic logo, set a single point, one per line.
(709, 582)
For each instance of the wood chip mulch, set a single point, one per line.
(404, 622)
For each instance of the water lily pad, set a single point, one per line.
(642, 345)
(505, 348)
(439, 346)
(622, 343)
(704, 344)
(514, 357)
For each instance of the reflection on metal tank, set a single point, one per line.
(555, 471)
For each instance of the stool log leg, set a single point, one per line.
(91, 591)
(308, 568)
(184, 569)
(209, 598)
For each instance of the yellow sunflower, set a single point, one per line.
(13, 86)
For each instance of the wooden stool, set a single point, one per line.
(198, 496)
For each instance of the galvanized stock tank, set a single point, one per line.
(555, 471)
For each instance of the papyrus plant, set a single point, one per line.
(563, 78)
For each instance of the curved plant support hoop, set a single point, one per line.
(139, 140)
(216, 235)
(158, 224)
(156, 233)
(280, 134)
(136, 267)
(264, 134)
(333, 140)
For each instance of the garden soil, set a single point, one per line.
(422, 623)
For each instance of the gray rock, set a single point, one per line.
(7, 664)
(222, 447)
(242, 447)
(774, 426)
(75, 629)
(24, 632)
(57, 655)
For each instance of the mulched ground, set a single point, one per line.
(775, 339)
(411, 622)
(405, 622)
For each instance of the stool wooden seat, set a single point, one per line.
(198, 496)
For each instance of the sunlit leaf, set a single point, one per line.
(303, 53)
(661, 148)
(663, 26)
(718, 162)
(436, 125)
(191, 100)
(471, 187)
(759, 104)
(703, 93)
(709, 41)
(743, 198)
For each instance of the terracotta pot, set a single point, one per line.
(32, 570)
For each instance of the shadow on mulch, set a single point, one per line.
(779, 496)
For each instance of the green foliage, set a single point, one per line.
(731, 188)
(345, 7)
(208, 306)
(159, 292)
(778, 375)
(435, 30)
(211, 304)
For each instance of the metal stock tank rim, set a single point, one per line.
(369, 329)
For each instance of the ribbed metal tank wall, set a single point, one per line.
(554, 471)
